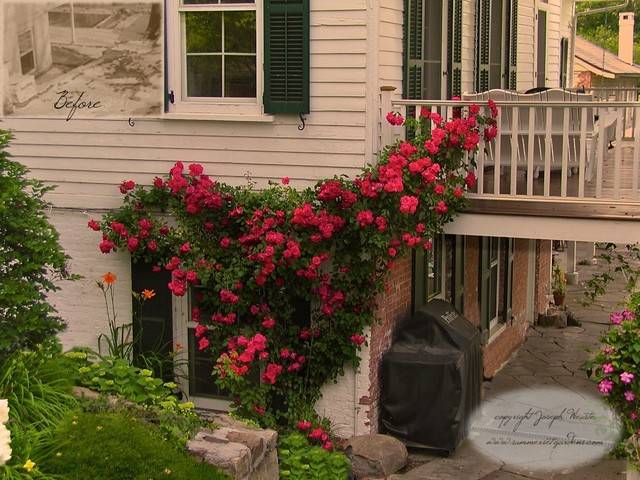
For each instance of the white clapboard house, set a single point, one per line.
(306, 98)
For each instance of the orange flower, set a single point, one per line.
(178, 346)
(147, 294)
(109, 278)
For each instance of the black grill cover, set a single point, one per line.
(432, 378)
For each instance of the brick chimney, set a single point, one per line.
(625, 37)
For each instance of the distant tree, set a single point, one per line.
(602, 28)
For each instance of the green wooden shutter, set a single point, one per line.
(458, 273)
(286, 56)
(564, 61)
(484, 289)
(413, 61)
(513, 45)
(508, 244)
(483, 26)
(455, 48)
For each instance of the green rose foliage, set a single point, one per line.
(256, 261)
(31, 259)
(301, 461)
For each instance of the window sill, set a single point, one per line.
(495, 332)
(219, 117)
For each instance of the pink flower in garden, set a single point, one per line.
(285, 180)
(225, 242)
(633, 416)
(392, 252)
(629, 396)
(158, 182)
(185, 247)
(381, 223)
(616, 318)
(490, 133)
(106, 245)
(607, 368)
(259, 410)
(357, 339)
(271, 373)
(408, 204)
(439, 189)
(126, 186)
(93, 225)
(327, 445)
(605, 387)
(627, 377)
(394, 118)
(441, 207)
(132, 244)
(458, 192)
(304, 425)
(227, 296)
(364, 218)
(203, 343)
(195, 169)
(268, 323)
(316, 434)
(608, 349)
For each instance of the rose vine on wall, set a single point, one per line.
(254, 257)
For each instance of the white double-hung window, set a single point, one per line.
(214, 50)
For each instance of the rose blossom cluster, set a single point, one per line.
(317, 435)
(253, 254)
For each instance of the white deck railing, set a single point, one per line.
(572, 150)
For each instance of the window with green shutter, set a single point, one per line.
(286, 56)
(496, 44)
(455, 48)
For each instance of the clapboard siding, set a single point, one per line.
(526, 45)
(468, 45)
(390, 43)
(88, 158)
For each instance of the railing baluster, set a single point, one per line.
(497, 173)
(547, 153)
(514, 151)
(480, 166)
(583, 151)
(530, 149)
(600, 151)
(617, 165)
(565, 152)
(636, 154)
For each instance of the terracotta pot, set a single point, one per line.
(558, 298)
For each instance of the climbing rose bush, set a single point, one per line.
(257, 262)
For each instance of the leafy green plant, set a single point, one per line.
(558, 280)
(108, 446)
(618, 263)
(301, 461)
(31, 259)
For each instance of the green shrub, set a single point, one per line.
(301, 461)
(30, 259)
(111, 446)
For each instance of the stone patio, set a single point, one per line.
(550, 356)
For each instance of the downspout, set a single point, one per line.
(574, 27)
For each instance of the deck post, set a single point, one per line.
(572, 263)
(386, 106)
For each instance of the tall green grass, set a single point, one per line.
(38, 386)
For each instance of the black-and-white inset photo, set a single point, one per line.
(71, 59)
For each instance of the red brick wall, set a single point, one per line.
(393, 306)
(543, 276)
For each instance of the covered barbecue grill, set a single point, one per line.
(432, 378)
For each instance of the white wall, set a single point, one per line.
(88, 158)
(81, 303)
